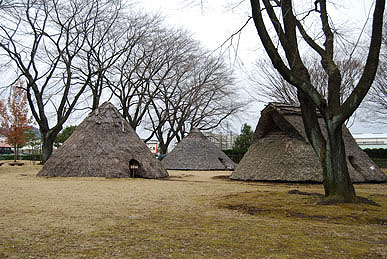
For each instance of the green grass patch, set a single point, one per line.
(381, 162)
(282, 205)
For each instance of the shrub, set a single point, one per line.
(33, 157)
(376, 152)
(234, 155)
(381, 162)
(7, 157)
(378, 155)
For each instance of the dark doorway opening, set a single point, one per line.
(354, 164)
(134, 167)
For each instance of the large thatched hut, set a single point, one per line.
(281, 152)
(104, 145)
(196, 152)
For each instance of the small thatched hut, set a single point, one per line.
(196, 152)
(104, 145)
(281, 152)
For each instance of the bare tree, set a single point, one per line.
(268, 83)
(170, 52)
(329, 147)
(376, 105)
(212, 94)
(45, 40)
(165, 81)
(135, 77)
(8, 4)
(378, 95)
(109, 46)
(200, 96)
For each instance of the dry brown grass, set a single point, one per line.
(192, 215)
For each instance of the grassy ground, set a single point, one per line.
(192, 215)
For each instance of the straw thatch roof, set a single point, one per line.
(281, 151)
(196, 152)
(104, 145)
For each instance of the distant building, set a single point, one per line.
(371, 140)
(153, 146)
(222, 141)
(5, 148)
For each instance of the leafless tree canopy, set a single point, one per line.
(268, 83)
(72, 54)
(376, 106)
(168, 84)
(202, 97)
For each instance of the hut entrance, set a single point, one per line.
(355, 166)
(134, 166)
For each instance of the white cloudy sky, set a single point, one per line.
(214, 23)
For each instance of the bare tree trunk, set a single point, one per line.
(47, 148)
(16, 152)
(336, 179)
(330, 150)
(164, 144)
(96, 98)
(48, 137)
(163, 148)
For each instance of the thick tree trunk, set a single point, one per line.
(95, 104)
(330, 150)
(47, 147)
(163, 148)
(165, 144)
(337, 182)
(48, 138)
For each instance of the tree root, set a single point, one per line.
(339, 200)
(331, 200)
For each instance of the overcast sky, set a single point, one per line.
(213, 25)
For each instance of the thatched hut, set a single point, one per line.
(196, 152)
(104, 145)
(281, 152)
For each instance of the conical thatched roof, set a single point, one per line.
(196, 152)
(104, 145)
(281, 152)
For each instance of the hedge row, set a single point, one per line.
(376, 152)
(235, 156)
(381, 162)
(34, 157)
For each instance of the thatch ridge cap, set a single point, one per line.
(195, 133)
(286, 109)
(277, 115)
(283, 108)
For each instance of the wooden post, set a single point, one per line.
(132, 169)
